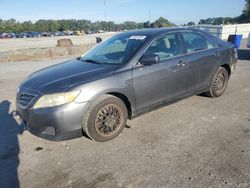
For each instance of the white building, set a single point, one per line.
(223, 31)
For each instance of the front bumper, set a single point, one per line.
(54, 123)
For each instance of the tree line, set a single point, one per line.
(243, 18)
(226, 20)
(14, 26)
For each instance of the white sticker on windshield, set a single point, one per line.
(138, 37)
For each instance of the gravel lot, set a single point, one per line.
(45, 42)
(197, 142)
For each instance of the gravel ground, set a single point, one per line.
(45, 42)
(197, 142)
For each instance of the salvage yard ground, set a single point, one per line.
(33, 49)
(46, 42)
(197, 142)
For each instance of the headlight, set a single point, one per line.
(56, 99)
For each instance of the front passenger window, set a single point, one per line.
(166, 47)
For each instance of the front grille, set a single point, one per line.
(24, 99)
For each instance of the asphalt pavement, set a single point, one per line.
(197, 142)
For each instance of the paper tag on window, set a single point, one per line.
(138, 37)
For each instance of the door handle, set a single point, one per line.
(181, 63)
(217, 53)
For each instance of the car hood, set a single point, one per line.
(60, 77)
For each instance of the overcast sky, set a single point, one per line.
(177, 11)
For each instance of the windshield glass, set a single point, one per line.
(116, 50)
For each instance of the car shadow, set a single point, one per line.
(244, 54)
(9, 146)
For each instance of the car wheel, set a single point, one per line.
(219, 83)
(105, 118)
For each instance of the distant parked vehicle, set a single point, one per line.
(17, 35)
(89, 32)
(12, 35)
(35, 34)
(4, 35)
(23, 35)
(59, 33)
(8, 35)
(100, 31)
(69, 32)
(47, 34)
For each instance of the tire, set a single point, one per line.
(105, 118)
(219, 83)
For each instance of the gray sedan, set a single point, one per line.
(123, 77)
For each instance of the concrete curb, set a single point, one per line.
(43, 53)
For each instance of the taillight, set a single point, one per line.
(235, 53)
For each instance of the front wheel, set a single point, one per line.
(219, 83)
(105, 119)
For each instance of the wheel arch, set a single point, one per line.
(228, 68)
(126, 101)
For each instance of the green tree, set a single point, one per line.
(218, 21)
(163, 22)
(246, 10)
(140, 25)
(27, 26)
(147, 24)
(208, 21)
(12, 25)
(129, 25)
(245, 16)
(190, 23)
(229, 20)
(41, 26)
(53, 25)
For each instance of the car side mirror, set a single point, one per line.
(149, 59)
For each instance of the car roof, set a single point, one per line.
(154, 31)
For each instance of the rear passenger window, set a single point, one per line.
(210, 45)
(195, 42)
(166, 47)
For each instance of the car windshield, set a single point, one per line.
(116, 50)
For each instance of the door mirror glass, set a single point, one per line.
(149, 59)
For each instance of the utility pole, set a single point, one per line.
(105, 15)
(105, 11)
(149, 17)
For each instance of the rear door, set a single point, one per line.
(202, 57)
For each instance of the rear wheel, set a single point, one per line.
(219, 83)
(105, 119)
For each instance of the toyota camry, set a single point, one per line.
(122, 77)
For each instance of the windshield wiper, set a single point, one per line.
(89, 60)
(92, 61)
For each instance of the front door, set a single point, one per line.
(157, 83)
